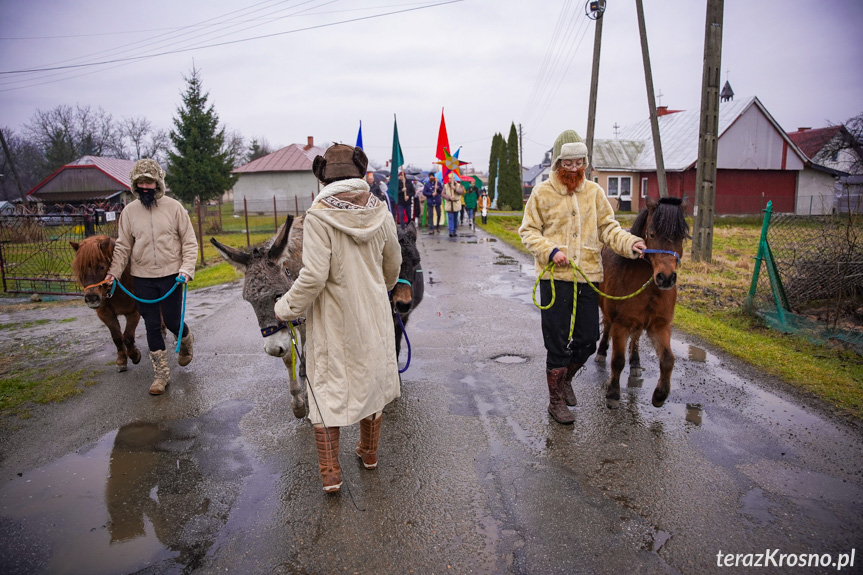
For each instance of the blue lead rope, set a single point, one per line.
(675, 254)
(180, 280)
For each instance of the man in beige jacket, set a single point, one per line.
(569, 218)
(351, 259)
(155, 232)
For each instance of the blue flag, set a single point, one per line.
(360, 136)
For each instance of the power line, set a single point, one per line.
(147, 56)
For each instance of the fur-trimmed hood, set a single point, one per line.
(348, 206)
(148, 169)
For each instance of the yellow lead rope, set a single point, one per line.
(575, 268)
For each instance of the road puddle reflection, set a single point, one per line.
(697, 354)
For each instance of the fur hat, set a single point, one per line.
(340, 162)
(565, 137)
(147, 169)
(572, 151)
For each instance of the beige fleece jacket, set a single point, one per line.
(576, 224)
(159, 242)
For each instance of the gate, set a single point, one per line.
(35, 254)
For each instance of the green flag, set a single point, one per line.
(397, 159)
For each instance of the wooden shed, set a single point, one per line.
(87, 180)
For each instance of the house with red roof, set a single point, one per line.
(282, 181)
(88, 179)
(831, 155)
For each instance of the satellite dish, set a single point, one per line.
(594, 9)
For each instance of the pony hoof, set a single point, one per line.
(612, 403)
(121, 368)
(635, 371)
(134, 355)
(299, 409)
(599, 358)
(658, 400)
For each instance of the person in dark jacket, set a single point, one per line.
(406, 200)
(432, 191)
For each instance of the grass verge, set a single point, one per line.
(710, 299)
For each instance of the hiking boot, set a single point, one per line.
(556, 405)
(185, 356)
(161, 371)
(568, 393)
(328, 457)
(370, 435)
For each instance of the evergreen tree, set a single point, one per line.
(200, 167)
(501, 166)
(258, 149)
(493, 159)
(510, 185)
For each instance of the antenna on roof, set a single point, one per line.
(616, 129)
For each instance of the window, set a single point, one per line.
(643, 187)
(544, 177)
(619, 186)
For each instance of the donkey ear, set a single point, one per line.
(236, 257)
(280, 240)
(318, 166)
(75, 245)
(411, 231)
(361, 160)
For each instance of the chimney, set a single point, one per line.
(311, 143)
(661, 110)
(804, 128)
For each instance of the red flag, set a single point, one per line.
(442, 140)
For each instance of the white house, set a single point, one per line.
(282, 181)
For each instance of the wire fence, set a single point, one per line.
(246, 216)
(809, 276)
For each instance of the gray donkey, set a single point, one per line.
(270, 272)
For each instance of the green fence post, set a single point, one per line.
(762, 245)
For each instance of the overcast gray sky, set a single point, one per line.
(486, 62)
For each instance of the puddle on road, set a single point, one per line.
(144, 495)
(693, 413)
(510, 359)
(697, 354)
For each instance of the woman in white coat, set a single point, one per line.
(351, 259)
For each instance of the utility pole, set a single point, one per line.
(594, 86)
(651, 102)
(21, 191)
(520, 151)
(705, 176)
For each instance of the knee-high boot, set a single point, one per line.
(161, 372)
(328, 457)
(568, 392)
(370, 435)
(556, 405)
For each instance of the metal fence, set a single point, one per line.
(35, 253)
(809, 275)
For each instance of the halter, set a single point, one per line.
(270, 330)
(675, 254)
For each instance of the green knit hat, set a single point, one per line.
(565, 137)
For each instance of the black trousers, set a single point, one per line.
(556, 320)
(168, 309)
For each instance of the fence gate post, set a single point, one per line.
(297, 205)
(200, 234)
(275, 215)
(246, 215)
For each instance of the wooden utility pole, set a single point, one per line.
(9, 159)
(520, 150)
(651, 102)
(705, 176)
(594, 87)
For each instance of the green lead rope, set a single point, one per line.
(575, 268)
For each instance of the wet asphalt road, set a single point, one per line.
(217, 475)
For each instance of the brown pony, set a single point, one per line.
(663, 227)
(90, 266)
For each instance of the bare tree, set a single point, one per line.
(141, 140)
(26, 159)
(258, 148)
(846, 147)
(235, 147)
(66, 133)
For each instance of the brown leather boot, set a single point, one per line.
(328, 457)
(185, 355)
(161, 372)
(568, 393)
(556, 406)
(370, 435)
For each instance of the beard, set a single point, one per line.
(148, 199)
(572, 180)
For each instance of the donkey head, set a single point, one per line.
(663, 226)
(90, 266)
(403, 292)
(270, 272)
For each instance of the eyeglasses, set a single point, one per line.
(577, 163)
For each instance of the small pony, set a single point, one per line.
(90, 266)
(662, 225)
(408, 291)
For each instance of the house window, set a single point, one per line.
(595, 179)
(643, 187)
(619, 186)
(544, 177)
